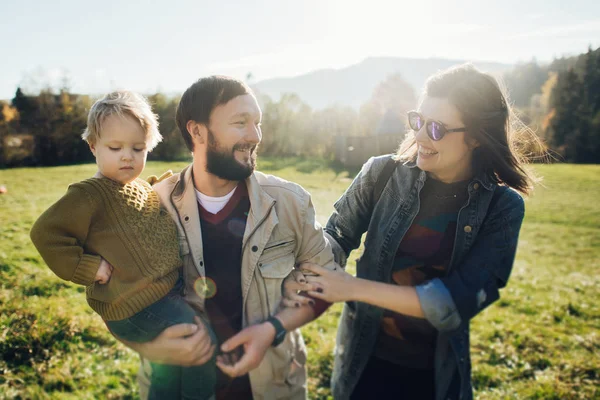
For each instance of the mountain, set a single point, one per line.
(353, 85)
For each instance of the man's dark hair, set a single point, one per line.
(200, 99)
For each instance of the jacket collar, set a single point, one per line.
(184, 198)
(185, 181)
(485, 178)
(260, 201)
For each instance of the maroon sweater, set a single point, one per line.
(222, 235)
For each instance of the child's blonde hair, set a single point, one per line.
(123, 102)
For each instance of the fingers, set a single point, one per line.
(317, 290)
(180, 331)
(234, 357)
(316, 285)
(312, 269)
(314, 282)
(194, 343)
(235, 341)
(318, 295)
(204, 348)
(204, 358)
(296, 301)
(102, 277)
(199, 322)
(228, 364)
(291, 297)
(226, 358)
(292, 287)
(287, 303)
(298, 276)
(227, 369)
(104, 272)
(245, 364)
(293, 283)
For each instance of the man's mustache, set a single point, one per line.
(245, 147)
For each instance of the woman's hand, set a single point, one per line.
(331, 286)
(292, 286)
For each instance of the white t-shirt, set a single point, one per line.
(214, 204)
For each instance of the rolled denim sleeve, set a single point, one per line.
(438, 306)
(474, 283)
(339, 254)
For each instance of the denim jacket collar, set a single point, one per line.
(484, 178)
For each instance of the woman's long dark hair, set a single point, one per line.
(485, 112)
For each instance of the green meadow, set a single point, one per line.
(539, 341)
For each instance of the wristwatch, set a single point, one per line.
(279, 331)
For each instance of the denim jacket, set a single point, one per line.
(484, 251)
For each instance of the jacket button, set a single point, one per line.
(255, 248)
(468, 229)
(476, 186)
(186, 218)
(201, 263)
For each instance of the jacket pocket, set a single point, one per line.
(296, 372)
(276, 248)
(275, 264)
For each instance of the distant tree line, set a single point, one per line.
(52, 121)
(560, 101)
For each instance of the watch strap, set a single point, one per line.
(279, 330)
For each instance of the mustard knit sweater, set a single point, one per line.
(125, 225)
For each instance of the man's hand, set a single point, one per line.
(256, 340)
(183, 344)
(104, 272)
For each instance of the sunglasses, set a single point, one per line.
(435, 129)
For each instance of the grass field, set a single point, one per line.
(539, 341)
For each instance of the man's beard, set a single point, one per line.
(223, 164)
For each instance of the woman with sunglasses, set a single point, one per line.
(441, 242)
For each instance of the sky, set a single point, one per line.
(166, 46)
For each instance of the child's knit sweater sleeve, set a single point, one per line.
(60, 233)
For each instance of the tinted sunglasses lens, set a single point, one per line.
(435, 130)
(415, 121)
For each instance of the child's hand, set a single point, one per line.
(104, 272)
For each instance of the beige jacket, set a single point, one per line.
(281, 231)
